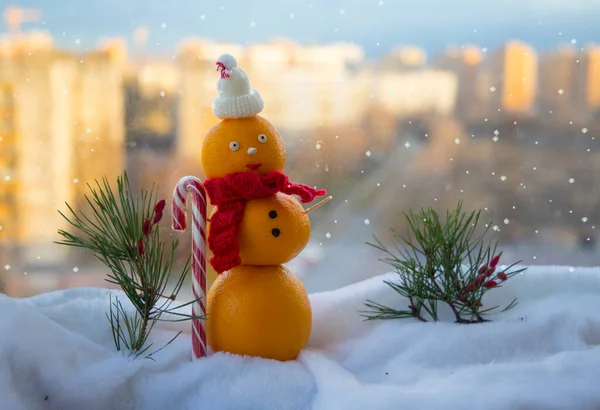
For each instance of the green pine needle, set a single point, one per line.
(441, 262)
(139, 262)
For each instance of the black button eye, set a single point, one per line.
(273, 214)
(275, 232)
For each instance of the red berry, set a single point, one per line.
(490, 284)
(141, 247)
(494, 261)
(502, 276)
(146, 228)
(160, 206)
(157, 217)
(482, 269)
(489, 271)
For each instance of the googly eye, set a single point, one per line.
(234, 145)
(262, 138)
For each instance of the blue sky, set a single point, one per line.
(375, 24)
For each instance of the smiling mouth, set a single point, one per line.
(253, 167)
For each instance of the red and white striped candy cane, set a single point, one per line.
(194, 187)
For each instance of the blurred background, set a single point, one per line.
(388, 105)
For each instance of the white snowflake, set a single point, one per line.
(571, 269)
(584, 219)
(75, 269)
(318, 146)
(407, 144)
(368, 153)
(162, 93)
(574, 41)
(571, 180)
(328, 235)
(163, 25)
(492, 88)
(584, 130)
(1, 227)
(496, 228)
(561, 91)
(503, 178)
(367, 222)
(202, 17)
(495, 138)
(457, 141)
(496, 132)
(7, 267)
(292, 15)
(75, 180)
(7, 178)
(506, 221)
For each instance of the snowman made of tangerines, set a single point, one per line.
(256, 306)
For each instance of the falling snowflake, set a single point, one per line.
(75, 180)
(496, 228)
(252, 24)
(584, 219)
(77, 41)
(495, 138)
(503, 178)
(380, 2)
(496, 132)
(561, 91)
(7, 267)
(368, 153)
(75, 269)
(162, 93)
(506, 221)
(492, 88)
(163, 25)
(457, 141)
(202, 17)
(571, 269)
(407, 144)
(88, 130)
(1, 227)
(571, 180)
(484, 49)
(7, 178)
(367, 222)
(292, 15)
(342, 12)
(328, 235)
(573, 41)
(318, 146)
(584, 130)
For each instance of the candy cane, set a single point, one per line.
(194, 187)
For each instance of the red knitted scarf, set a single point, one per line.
(230, 194)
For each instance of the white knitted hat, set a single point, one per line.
(236, 98)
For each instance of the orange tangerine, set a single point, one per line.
(237, 145)
(259, 311)
(273, 231)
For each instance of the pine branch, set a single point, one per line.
(430, 261)
(121, 230)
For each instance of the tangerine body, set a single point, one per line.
(259, 311)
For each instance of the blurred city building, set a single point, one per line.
(514, 71)
(63, 127)
(501, 129)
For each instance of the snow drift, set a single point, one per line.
(57, 352)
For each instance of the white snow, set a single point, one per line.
(56, 352)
